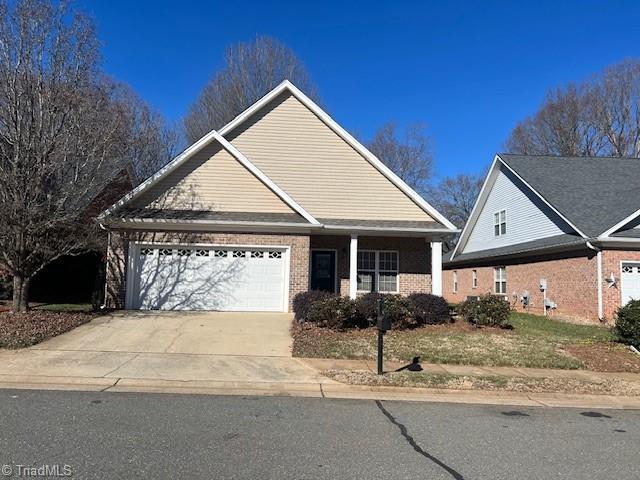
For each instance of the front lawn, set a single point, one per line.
(534, 341)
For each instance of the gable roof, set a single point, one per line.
(596, 196)
(285, 86)
(214, 136)
(594, 193)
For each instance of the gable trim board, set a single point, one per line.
(488, 185)
(315, 109)
(622, 223)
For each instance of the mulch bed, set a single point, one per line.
(18, 330)
(602, 357)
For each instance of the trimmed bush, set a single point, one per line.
(487, 310)
(396, 307)
(333, 312)
(429, 309)
(303, 300)
(627, 327)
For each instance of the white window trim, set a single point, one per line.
(474, 279)
(377, 271)
(455, 281)
(501, 280)
(499, 223)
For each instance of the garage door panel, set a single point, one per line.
(237, 279)
(630, 282)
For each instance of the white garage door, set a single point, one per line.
(630, 282)
(167, 277)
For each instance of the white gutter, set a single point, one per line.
(599, 279)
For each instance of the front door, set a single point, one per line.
(323, 270)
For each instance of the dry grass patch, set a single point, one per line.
(491, 383)
(535, 342)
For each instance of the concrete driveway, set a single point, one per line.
(182, 346)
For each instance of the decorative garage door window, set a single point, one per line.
(630, 282)
(200, 278)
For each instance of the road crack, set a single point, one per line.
(410, 440)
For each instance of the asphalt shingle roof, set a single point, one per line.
(593, 193)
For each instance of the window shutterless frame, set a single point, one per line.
(500, 223)
(500, 280)
(474, 279)
(377, 271)
(455, 281)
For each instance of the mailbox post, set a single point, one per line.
(384, 324)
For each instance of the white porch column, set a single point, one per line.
(353, 266)
(436, 268)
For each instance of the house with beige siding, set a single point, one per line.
(279, 201)
(555, 236)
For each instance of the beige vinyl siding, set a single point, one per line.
(212, 180)
(322, 172)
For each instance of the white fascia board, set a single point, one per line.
(617, 241)
(621, 224)
(475, 211)
(347, 137)
(263, 178)
(359, 228)
(555, 210)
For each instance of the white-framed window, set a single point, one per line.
(500, 223)
(378, 271)
(500, 279)
(474, 279)
(455, 281)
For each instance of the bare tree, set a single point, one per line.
(63, 133)
(599, 117)
(455, 196)
(408, 157)
(250, 71)
(152, 141)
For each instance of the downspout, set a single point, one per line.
(599, 277)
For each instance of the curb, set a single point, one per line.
(316, 390)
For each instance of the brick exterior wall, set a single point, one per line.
(117, 254)
(414, 269)
(611, 264)
(571, 284)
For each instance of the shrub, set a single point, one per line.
(396, 307)
(333, 312)
(303, 300)
(489, 310)
(627, 327)
(429, 309)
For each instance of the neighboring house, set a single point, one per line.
(84, 274)
(560, 230)
(279, 201)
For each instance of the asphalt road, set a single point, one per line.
(116, 435)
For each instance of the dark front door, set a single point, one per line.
(323, 270)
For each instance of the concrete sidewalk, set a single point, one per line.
(324, 364)
(319, 390)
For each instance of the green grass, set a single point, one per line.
(534, 342)
(63, 307)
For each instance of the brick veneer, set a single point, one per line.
(414, 259)
(117, 253)
(571, 284)
(611, 264)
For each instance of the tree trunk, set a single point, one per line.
(20, 293)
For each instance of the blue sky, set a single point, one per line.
(469, 70)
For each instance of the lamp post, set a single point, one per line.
(384, 324)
